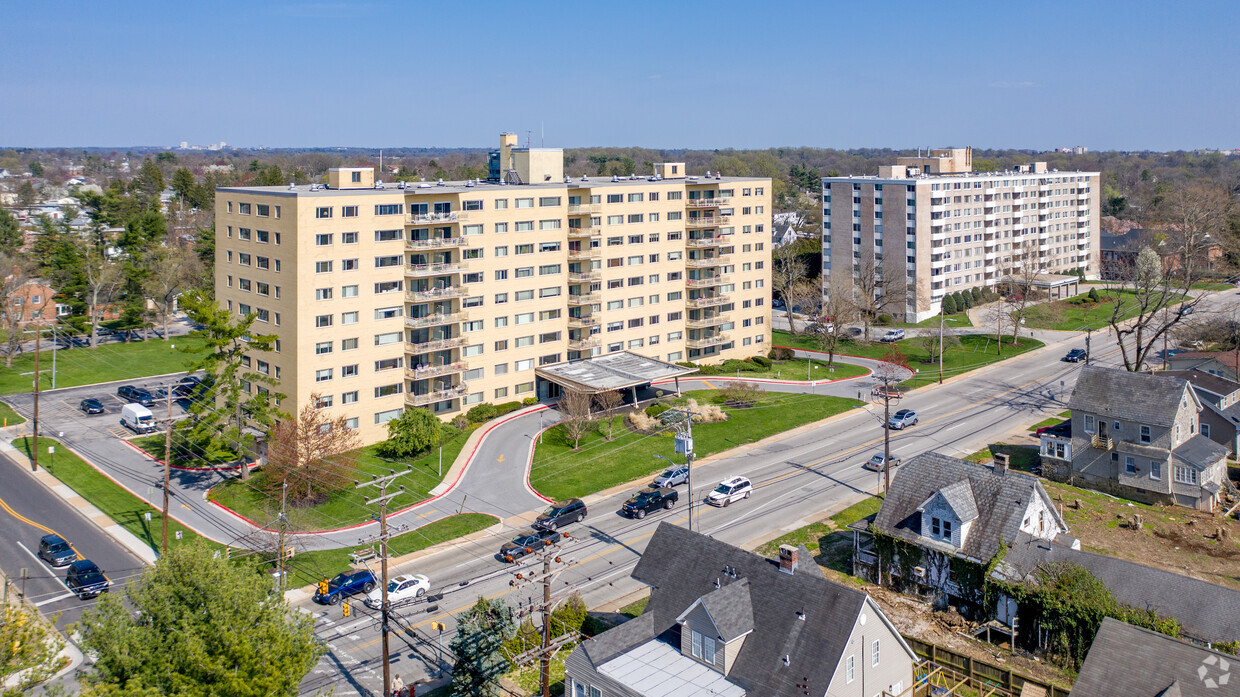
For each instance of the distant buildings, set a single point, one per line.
(929, 225)
(1118, 253)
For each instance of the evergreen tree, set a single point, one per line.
(183, 184)
(949, 305)
(150, 180)
(11, 238)
(479, 648)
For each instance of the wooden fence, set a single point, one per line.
(980, 674)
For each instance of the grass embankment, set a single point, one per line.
(87, 366)
(975, 351)
(1211, 285)
(960, 319)
(154, 446)
(8, 417)
(560, 472)
(114, 500)
(1079, 313)
(346, 507)
(828, 540)
(792, 369)
(1053, 421)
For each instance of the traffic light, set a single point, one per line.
(323, 587)
(344, 605)
(437, 626)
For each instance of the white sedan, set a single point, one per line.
(401, 589)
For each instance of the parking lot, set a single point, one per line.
(59, 411)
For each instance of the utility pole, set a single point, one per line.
(54, 343)
(283, 525)
(34, 443)
(886, 439)
(941, 344)
(1089, 334)
(167, 474)
(382, 499)
(999, 325)
(684, 446)
(549, 645)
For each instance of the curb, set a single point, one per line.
(183, 468)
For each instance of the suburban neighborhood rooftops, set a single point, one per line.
(1199, 451)
(656, 668)
(1200, 379)
(1135, 662)
(729, 608)
(612, 371)
(1128, 396)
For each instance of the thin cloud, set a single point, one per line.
(1004, 85)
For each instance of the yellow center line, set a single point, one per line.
(40, 526)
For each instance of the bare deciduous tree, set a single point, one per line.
(840, 308)
(575, 416)
(606, 402)
(787, 270)
(867, 292)
(1025, 281)
(1196, 215)
(804, 295)
(936, 340)
(103, 275)
(1152, 295)
(171, 268)
(307, 452)
(15, 311)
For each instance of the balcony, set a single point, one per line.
(584, 299)
(421, 400)
(435, 345)
(420, 218)
(418, 270)
(1102, 442)
(584, 344)
(584, 276)
(708, 301)
(938, 209)
(435, 320)
(1042, 188)
(989, 191)
(706, 202)
(704, 242)
(421, 296)
(585, 254)
(707, 341)
(708, 262)
(584, 209)
(938, 236)
(583, 233)
(435, 243)
(707, 221)
(582, 322)
(707, 322)
(708, 282)
(1082, 197)
(434, 371)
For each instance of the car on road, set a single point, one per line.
(673, 476)
(86, 579)
(892, 335)
(1186, 310)
(875, 463)
(344, 585)
(1076, 355)
(91, 406)
(402, 589)
(135, 395)
(561, 513)
(903, 419)
(56, 550)
(729, 490)
(650, 499)
(528, 543)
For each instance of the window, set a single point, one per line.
(322, 267)
(349, 371)
(322, 347)
(323, 403)
(345, 265)
(323, 240)
(349, 398)
(874, 650)
(1089, 424)
(1205, 430)
(349, 317)
(389, 208)
(385, 262)
(697, 644)
(472, 350)
(525, 203)
(389, 235)
(1155, 469)
(526, 364)
(936, 528)
(525, 271)
(389, 312)
(548, 201)
(386, 416)
(243, 258)
(320, 212)
(323, 375)
(1186, 475)
(1145, 432)
(346, 212)
(323, 321)
(388, 364)
(349, 291)
(1130, 464)
(850, 669)
(322, 293)
(388, 287)
(348, 344)
(947, 530)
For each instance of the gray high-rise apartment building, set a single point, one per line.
(929, 225)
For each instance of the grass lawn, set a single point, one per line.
(1053, 421)
(1066, 315)
(309, 567)
(111, 498)
(560, 472)
(636, 607)
(1020, 457)
(347, 507)
(8, 417)
(829, 541)
(1211, 285)
(974, 351)
(798, 369)
(86, 366)
(960, 319)
(154, 445)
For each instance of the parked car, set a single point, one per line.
(135, 395)
(186, 386)
(402, 589)
(892, 335)
(86, 579)
(561, 513)
(91, 406)
(674, 476)
(137, 418)
(729, 490)
(528, 543)
(56, 550)
(903, 419)
(1076, 355)
(344, 585)
(649, 499)
(875, 463)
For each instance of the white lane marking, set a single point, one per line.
(41, 603)
(43, 564)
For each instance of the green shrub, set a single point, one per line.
(529, 401)
(1093, 295)
(481, 412)
(655, 409)
(781, 353)
(949, 305)
(966, 299)
(976, 293)
(447, 432)
(507, 408)
(762, 361)
(883, 320)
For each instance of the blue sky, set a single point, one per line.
(862, 73)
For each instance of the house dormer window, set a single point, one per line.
(947, 530)
(935, 527)
(1145, 434)
(703, 647)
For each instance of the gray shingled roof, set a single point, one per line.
(1134, 662)
(1199, 451)
(609, 644)
(731, 610)
(960, 497)
(1128, 396)
(1215, 384)
(1000, 500)
(1206, 611)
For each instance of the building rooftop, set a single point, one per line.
(460, 187)
(657, 669)
(1007, 174)
(612, 371)
(1128, 660)
(1122, 395)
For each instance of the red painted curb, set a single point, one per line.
(530, 466)
(183, 468)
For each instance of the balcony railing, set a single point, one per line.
(585, 208)
(421, 296)
(704, 242)
(708, 282)
(434, 371)
(708, 262)
(581, 233)
(583, 344)
(707, 221)
(435, 320)
(709, 301)
(1102, 442)
(421, 400)
(584, 298)
(583, 276)
(707, 341)
(418, 218)
(435, 269)
(707, 322)
(435, 345)
(435, 243)
(582, 322)
(585, 254)
(706, 202)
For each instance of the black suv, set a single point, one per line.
(56, 550)
(561, 513)
(649, 499)
(130, 394)
(528, 543)
(86, 579)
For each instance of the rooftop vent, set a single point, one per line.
(292, 185)
(469, 183)
(401, 185)
(424, 185)
(614, 178)
(583, 178)
(440, 182)
(708, 174)
(787, 659)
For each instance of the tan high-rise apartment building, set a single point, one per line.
(448, 294)
(929, 225)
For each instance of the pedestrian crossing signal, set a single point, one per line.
(344, 605)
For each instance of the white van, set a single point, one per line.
(137, 418)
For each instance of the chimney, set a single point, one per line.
(788, 559)
(1001, 464)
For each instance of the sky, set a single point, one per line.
(1131, 75)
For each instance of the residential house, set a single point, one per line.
(1135, 662)
(723, 621)
(1119, 252)
(1225, 364)
(32, 303)
(1137, 435)
(953, 508)
(1220, 419)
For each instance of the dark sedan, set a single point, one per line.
(529, 543)
(561, 513)
(344, 585)
(56, 550)
(91, 406)
(648, 500)
(86, 579)
(1076, 355)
